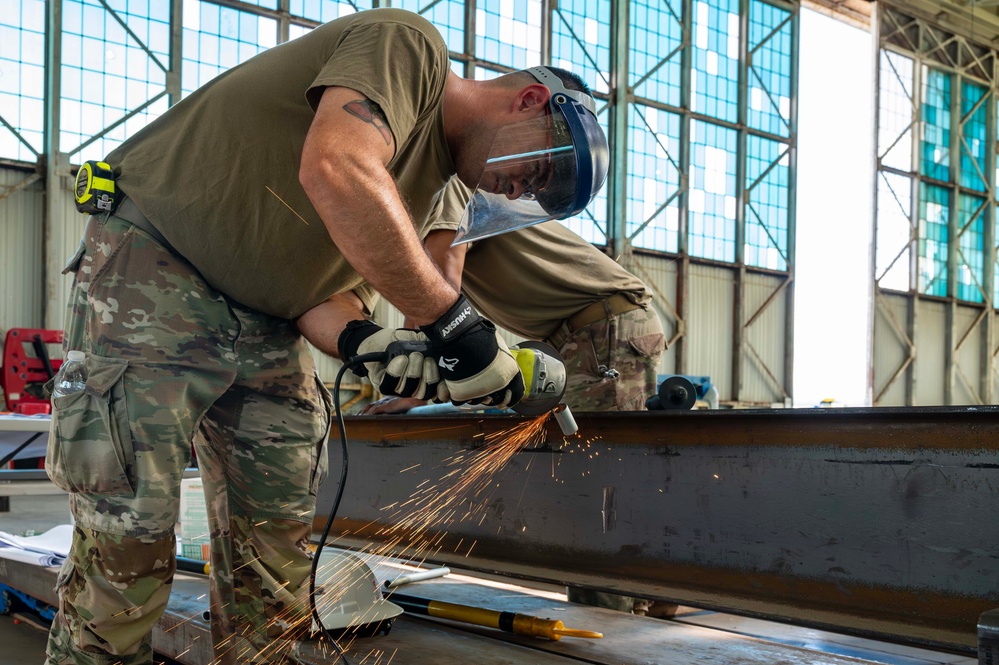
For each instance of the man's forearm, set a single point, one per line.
(323, 324)
(344, 174)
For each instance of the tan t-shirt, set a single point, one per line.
(529, 281)
(218, 173)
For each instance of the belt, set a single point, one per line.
(597, 311)
(127, 211)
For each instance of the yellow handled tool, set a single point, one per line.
(511, 622)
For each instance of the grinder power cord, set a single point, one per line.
(539, 368)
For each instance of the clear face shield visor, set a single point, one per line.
(545, 168)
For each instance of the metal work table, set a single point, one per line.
(183, 635)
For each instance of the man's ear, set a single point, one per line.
(531, 97)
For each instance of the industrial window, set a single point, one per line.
(714, 81)
(581, 44)
(22, 94)
(508, 32)
(113, 76)
(712, 194)
(734, 117)
(448, 16)
(217, 38)
(767, 174)
(654, 167)
(653, 177)
(934, 132)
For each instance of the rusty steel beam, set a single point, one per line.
(879, 522)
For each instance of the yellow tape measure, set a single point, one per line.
(95, 191)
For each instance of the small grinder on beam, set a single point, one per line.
(544, 384)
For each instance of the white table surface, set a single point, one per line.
(15, 430)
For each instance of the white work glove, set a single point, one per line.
(403, 366)
(473, 359)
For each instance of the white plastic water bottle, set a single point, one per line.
(72, 376)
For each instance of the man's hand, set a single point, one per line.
(402, 365)
(391, 405)
(473, 359)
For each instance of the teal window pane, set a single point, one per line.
(654, 49)
(218, 38)
(653, 178)
(971, 248)
(934, 146)
(508, 32)
(934, 211)
(711, 200)
(767, 199)
(974, 110)
(769, 93)
(448, 16)
(895, 114)
(714, 78)
(591, 224)
(581, 41)
(22, 80)
(894, 231)
(325, 10)
(107, 73)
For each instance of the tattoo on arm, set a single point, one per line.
(368, 111)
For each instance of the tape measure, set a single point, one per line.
(95, 191)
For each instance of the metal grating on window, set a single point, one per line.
(508, 32)
(894, 231)
(22, 91)
(971, 248)
(712, 202)
(448, 16)
(896, 111)
(714, 80)
(655, 50)
(581, 41)
(322, 11)
(653, 178)
(974, 110)
(767, 175)
(217, 38)
(769, 68)
(934, 211)
(114, 63)
(934, 145)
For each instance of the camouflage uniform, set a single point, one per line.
(172, 361)
(612, 364)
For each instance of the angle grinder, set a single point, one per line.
(544, 384)
(544, 376)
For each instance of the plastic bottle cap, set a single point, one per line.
(76, 356)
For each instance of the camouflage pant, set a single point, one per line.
(173, 362)
(612, 364)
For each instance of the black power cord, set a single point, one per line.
(358, 360)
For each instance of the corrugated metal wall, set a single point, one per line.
(64, 233)
(763, 370)
(710, 317)
(892, 349)
(21, 251)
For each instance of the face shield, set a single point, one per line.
(540, 169)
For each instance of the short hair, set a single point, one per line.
(570, 80)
